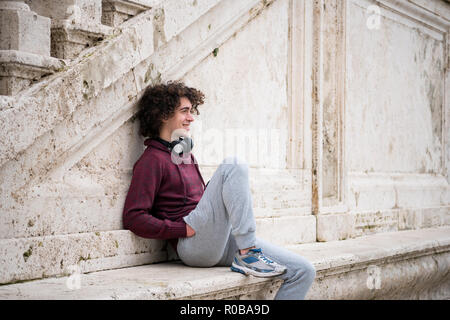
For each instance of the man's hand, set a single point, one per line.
(189, 231)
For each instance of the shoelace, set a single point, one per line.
(266, 259)
(262, 256)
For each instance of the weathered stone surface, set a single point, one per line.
(396, 190)
(393, 62)
(401, 120)
(350, 225)
(18, 70)
(69, 40)
(338, 226)
(395, 265)
(293, 229)
(360, 139)
(24, 47)
(400, 265)
(47, 256)
(67, 181)
(24, 30)
(115, 12)
(160, 281)
(76, 25)
(87, 12)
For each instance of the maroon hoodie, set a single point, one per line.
(161, 193)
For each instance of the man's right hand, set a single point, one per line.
(189, 231)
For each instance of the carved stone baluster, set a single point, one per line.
(76, 24)
(24, 47)
(115, 12)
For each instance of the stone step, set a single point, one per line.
(280, 200)
(270, 212)
(51, 255)
(411, 264)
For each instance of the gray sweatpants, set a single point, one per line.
(223, 222)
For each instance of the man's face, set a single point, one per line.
(182, 117)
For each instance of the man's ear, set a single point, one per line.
(165, 119)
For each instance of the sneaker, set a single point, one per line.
(256, 264)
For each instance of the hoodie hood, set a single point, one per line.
(161, 193)
(155, 144)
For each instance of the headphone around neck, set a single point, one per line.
(183, 145)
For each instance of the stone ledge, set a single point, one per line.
(398, 265)
(19, 69)
(31, 59)
(413, 264)
(170, 280)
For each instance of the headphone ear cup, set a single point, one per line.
(190, 143)
(177, 147)
(182, 146)
(187, 144)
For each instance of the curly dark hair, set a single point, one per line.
(160, 101)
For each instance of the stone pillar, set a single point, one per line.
(115, 12)
(76, 24)
(24, 47)
(329, 182)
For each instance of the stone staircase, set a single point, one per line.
(65, 176)
(66, 158)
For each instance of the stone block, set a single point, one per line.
(116, 12)
(24, 31)
(419, 218)
(9, 86)
(409, 219)
(19, 69)
(335, 226)
(76, 25)
(42, 257)
(376, 221)
(287, 230)
(397, 265)
(76, 11)
(69, 40)
(165, 281)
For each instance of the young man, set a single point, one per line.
(207, 226)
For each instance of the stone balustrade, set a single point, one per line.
(76, 25)
(38, 37)
(24, 47)
(115, 12)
